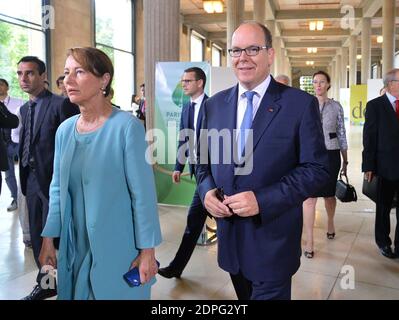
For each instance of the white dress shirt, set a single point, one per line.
(198, 102)
(13, 105)
(392, 100)
(242, 101)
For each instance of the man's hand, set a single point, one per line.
(214, 206)
(176, 176)
(243, 204)
(368, 176)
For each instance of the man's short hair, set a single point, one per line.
(5, 82)
(266, 32)
(390, 76)
(199, 74)
(60, 79)
(41, 66)
(282, 78)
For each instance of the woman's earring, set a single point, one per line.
(103, 91)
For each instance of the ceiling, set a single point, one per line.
(292, 24)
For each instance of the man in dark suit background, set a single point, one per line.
(193, 83)
(7, 121)
(259, 222)
(40, 118)
(381, 158)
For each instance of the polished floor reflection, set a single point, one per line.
(323, 277)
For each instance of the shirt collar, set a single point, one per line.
(41, 95)
(260, 89)
(198, 100)
(391, 98)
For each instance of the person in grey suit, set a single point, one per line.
(40, 118)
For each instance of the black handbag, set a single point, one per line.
(345, 191)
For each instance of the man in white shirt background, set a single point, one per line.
(11, 140)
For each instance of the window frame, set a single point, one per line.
(133, 26)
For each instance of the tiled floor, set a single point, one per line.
(375, 277)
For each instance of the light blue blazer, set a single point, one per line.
(120, 202)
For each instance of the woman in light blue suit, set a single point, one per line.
(103, 204)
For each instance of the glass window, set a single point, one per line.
(22, 33)
(374, 72)
(216, 56)
(196, 47)
(306, 84)
(114, 35)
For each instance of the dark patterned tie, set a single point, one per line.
(397, 108)
(28, 134)
(191, 113)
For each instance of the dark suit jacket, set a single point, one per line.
(54, 110)
(9, 121)
(183, 152)
(289, 164)
(381, 139)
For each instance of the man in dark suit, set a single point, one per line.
(193, 83)
(279, 161)
(381, 158)
(40, 118)
(7, 121)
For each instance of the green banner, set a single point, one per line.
(169, 101)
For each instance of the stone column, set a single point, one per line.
(337, 76)
(352, 60)
(235, 11)
(388, 33)
(260, 11)
(366, 50)
(77, 15)
(271, 25)
(278, 63)
(161, 43)
(344, 69)
(332, 91)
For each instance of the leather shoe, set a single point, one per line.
(40, 294)
(387, 252)
(169, 273)
(13, 206)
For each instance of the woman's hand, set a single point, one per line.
(344, 167)
(146, 263)
(48, 254)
